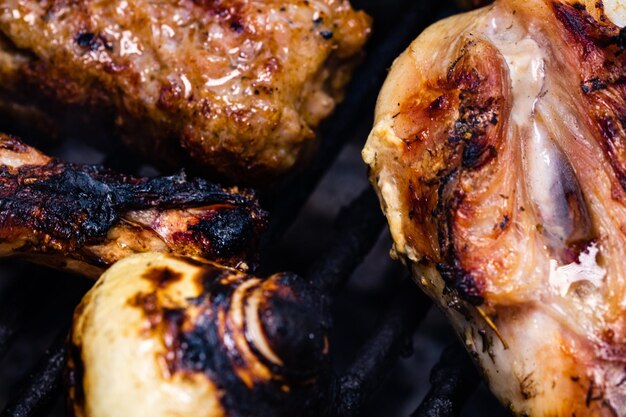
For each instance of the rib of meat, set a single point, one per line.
(236, 86)
(499, 154)
(84, 218)
(194, 338)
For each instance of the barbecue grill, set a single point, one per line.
(326, 220)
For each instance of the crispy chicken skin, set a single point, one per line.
(499, 155)
(235, 87)
(166, 336)
(83, 218)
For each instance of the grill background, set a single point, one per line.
(36, 303)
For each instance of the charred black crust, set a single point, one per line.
(463, 282)
(74, 205)
(229, 232)
(295, 324)
(201, 349)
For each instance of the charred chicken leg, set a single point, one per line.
(499, 155)
(235, 86)
(164, 336)
(84, 218)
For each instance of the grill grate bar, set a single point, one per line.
(12, 315)
(454, 378)
(376, 357)
(42, 387)
(358, 227)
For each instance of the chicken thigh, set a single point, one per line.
(499, 155)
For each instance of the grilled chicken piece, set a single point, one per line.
(162, 336)
(236, 86)
(499, 154)
(83, 218)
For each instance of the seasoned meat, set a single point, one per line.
(84, 218)
(197, 339)
(235, 87)
(499, 154)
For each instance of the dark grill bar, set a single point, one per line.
(453, 380)
(11, 315)
(374, 360)
(358, 227)
(43, 386)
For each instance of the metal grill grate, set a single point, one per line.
(358, 228)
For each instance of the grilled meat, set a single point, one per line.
(499, 154)
(83, 218)
(235, 86)
(194, 338)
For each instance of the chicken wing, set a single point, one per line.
(499, 155)
(84, 218)
(235, 86)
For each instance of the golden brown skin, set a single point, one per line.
(165, 336)
(235, 86)
(84, 218)
(499, 154)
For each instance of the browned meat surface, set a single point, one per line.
(84, 218)
(235, 86)
(499, 154)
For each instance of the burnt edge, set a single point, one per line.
(74, 205)
(198, 347)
